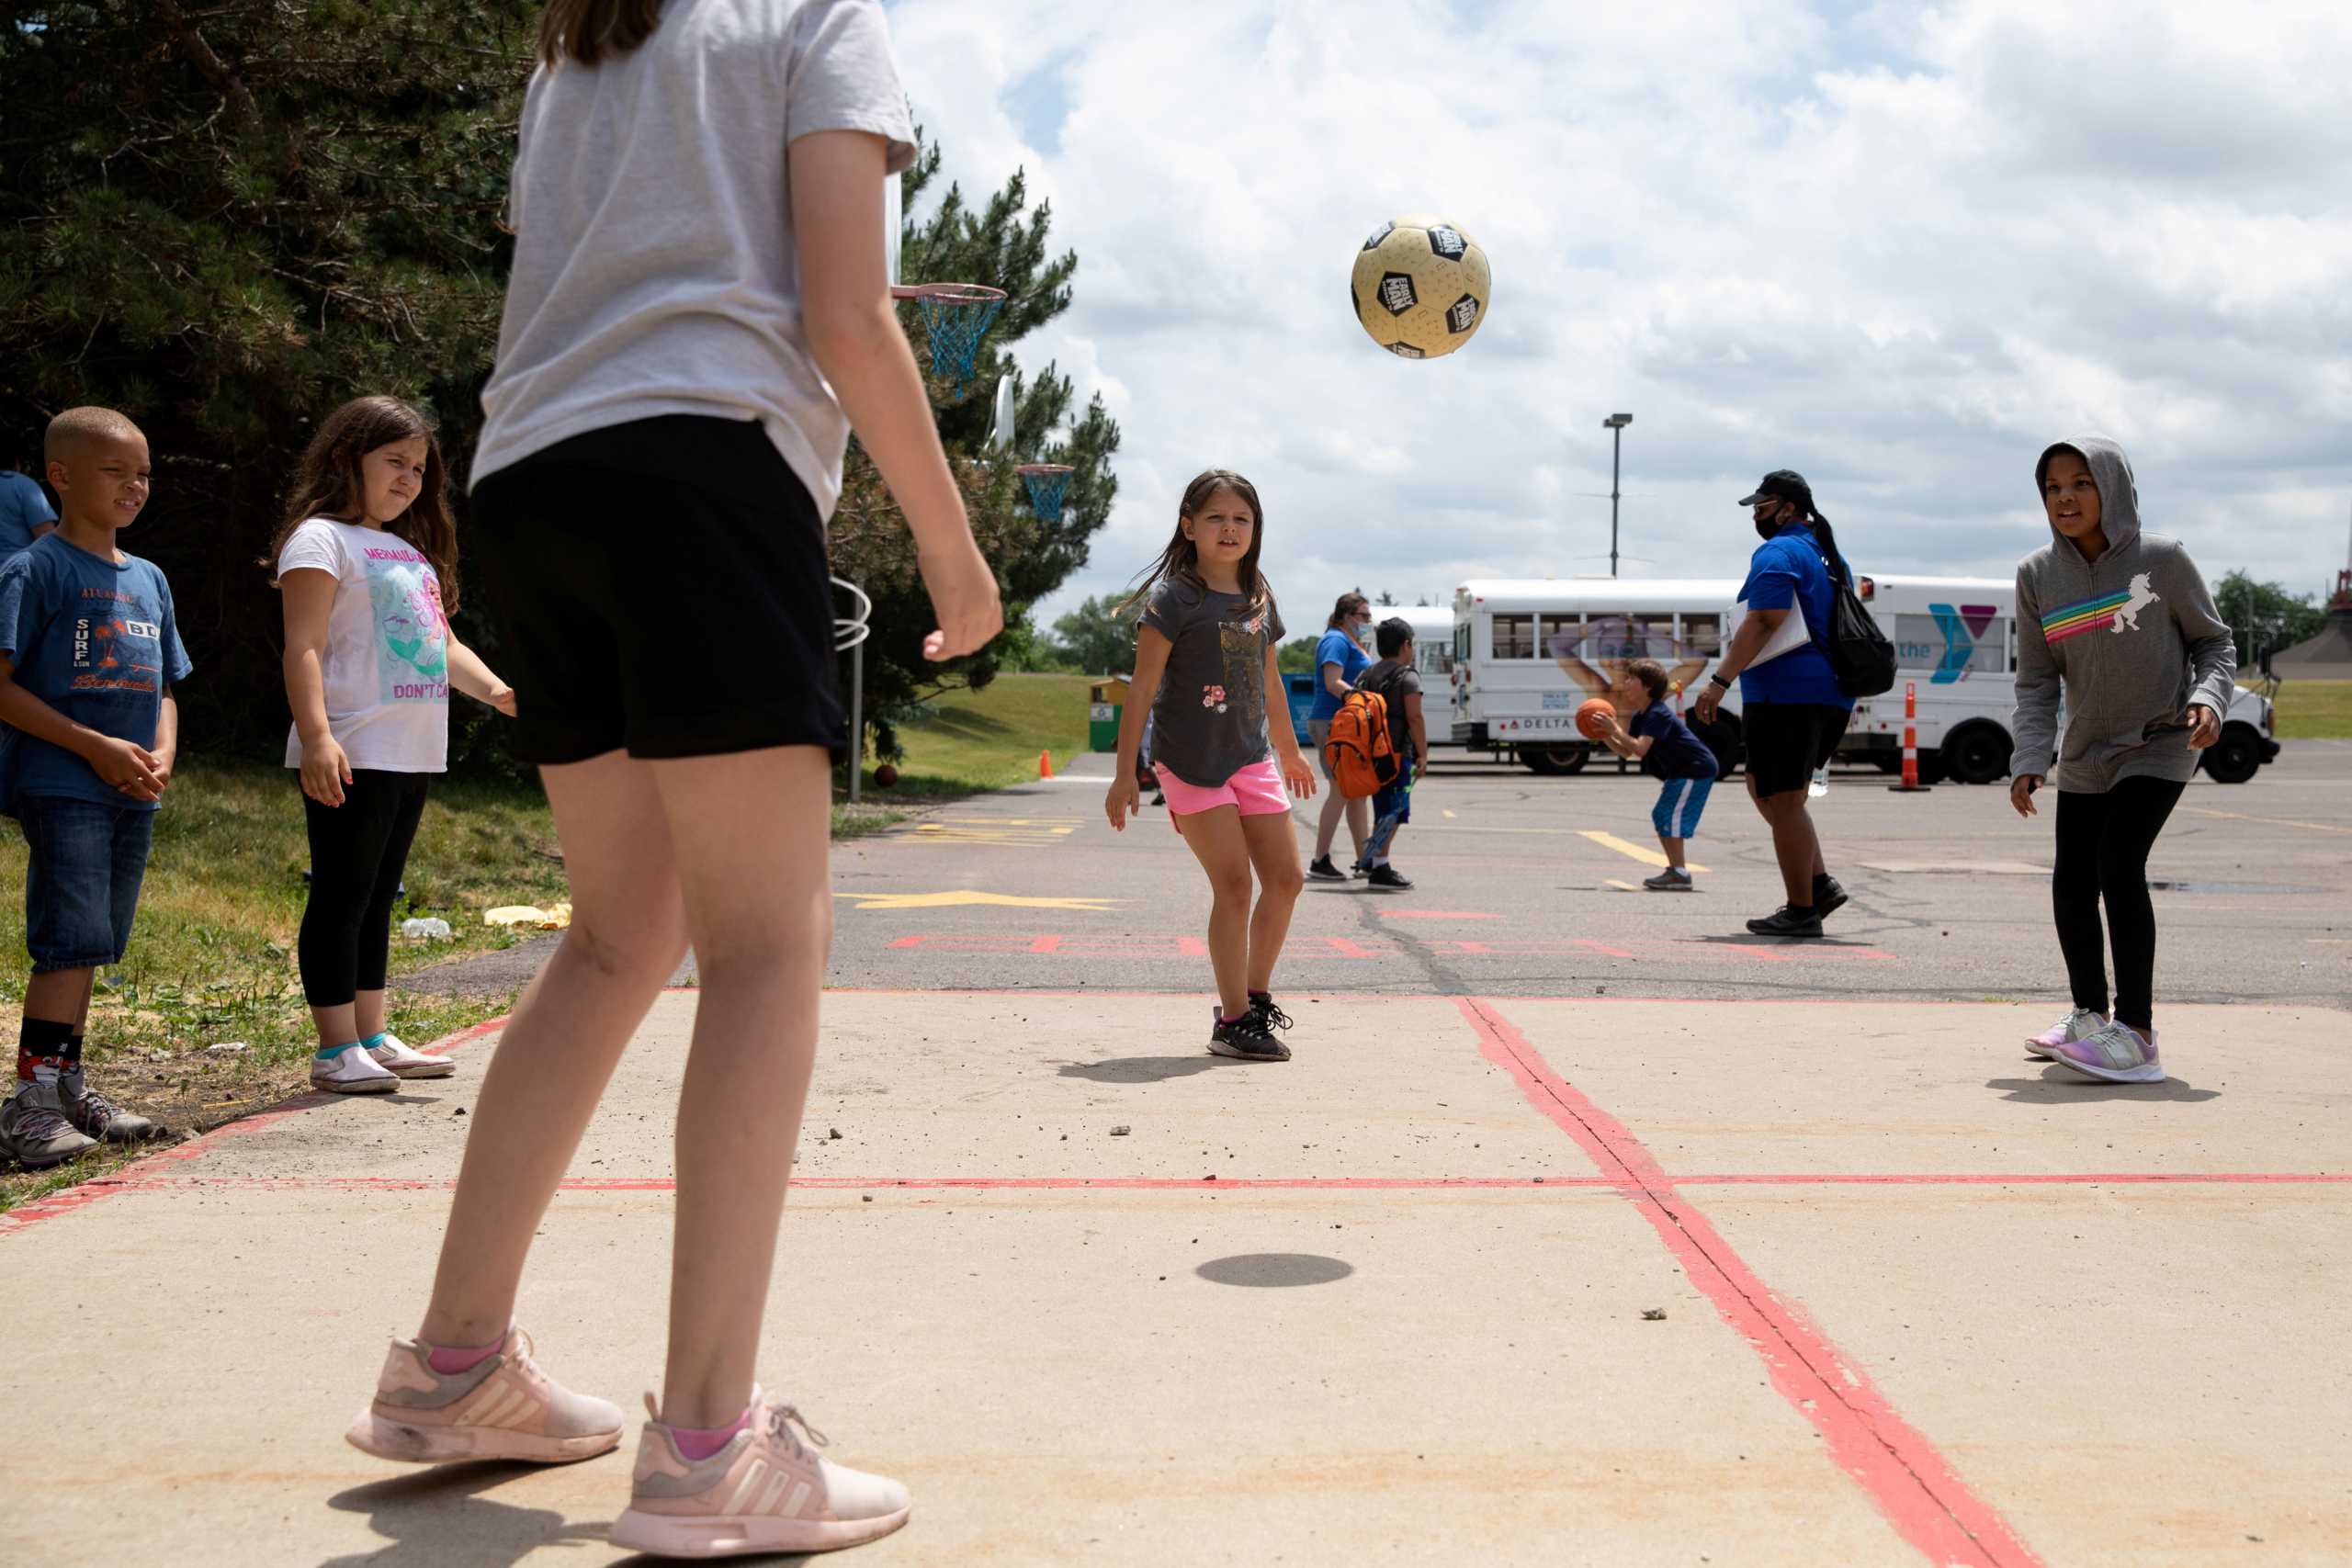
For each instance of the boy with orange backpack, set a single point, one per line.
(1376, 739)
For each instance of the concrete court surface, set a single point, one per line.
(1919, 1302)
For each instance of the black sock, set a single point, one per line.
(41, 1046)
(74, 1052)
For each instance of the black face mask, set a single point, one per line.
(1765, 530)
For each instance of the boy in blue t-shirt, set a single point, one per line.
(89, 652)
(1658, 739)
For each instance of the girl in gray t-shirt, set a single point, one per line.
(1205, 651)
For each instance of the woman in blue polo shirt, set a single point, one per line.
(1791, 712)
(1340, 659)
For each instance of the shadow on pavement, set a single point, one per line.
(1750, 939)
(1274, 1269)
(436, 1520)
(2055, 1087)
(1143, 1069)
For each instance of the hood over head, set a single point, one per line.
(2118, 494)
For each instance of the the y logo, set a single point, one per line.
(1961, 628)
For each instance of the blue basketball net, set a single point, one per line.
(956, 324)
(1046, 482)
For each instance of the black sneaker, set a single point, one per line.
(1320, 869)
(1788, 921)
(1263, 1004)
(1386, 877)
(1828, 897)
(1246, 1038)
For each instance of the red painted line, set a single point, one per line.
(140, 1173)
(1211, 1183)
(1912, 1484)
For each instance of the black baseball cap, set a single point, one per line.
(1782, 484)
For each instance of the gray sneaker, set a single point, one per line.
(1673, 879)
(33, 1129)
(94, 1115)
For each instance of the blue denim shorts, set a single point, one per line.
(82, 884)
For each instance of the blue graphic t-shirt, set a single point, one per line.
(1787, 571)
(1336, 647)
(23, 508)
(1675, 753)
(96, 640)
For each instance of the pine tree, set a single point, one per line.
(1002, 246)
(225, 220)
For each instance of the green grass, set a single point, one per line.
(989, 738)
(2315, 710)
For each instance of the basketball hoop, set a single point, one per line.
(1046, 481)
(955, 316)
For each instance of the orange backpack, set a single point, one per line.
(1362, 756)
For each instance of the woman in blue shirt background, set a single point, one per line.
(1340, 659)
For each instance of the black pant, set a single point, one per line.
(358, 850)
(2103, 843)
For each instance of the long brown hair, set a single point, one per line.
(590, 31)
(1180, 562)
(329, 482)
(1348, 606)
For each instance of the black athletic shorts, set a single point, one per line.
(1786, 741)
(659, 587)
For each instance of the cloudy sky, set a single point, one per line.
(1899, 248)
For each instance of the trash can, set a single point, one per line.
(1107, 703)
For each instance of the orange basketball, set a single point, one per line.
(1593, 715)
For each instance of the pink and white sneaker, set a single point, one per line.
(766, 1490)
(2079, 1024)
(2116, 1052)
(500, 1407)
(397, 1057)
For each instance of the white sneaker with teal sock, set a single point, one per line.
(349, 1069)
(394, 1055)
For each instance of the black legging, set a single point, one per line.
(358, 850)
(2103, 843)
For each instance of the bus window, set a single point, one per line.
(1560, 636)
(1702, 636)
(1514, 636)
(1461, 642)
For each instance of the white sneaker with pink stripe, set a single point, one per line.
(766, 1490)
(503, 1406)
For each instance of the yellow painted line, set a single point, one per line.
(1620, 886)
(1630, 850)
(1448, 812)
(2275, 821)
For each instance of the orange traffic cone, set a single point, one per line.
(1045, 764)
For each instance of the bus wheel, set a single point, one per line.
(2235, 757)
(1979, 754)
(1552, 761)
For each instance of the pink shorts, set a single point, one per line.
(1256, 791)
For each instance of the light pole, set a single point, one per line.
(1615, 425)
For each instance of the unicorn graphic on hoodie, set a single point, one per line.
(2126, 699)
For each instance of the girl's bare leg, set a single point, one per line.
(563, 1039)
(1216, 841)
(1273, 851)
(750, 832)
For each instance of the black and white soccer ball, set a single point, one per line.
(1420, 287)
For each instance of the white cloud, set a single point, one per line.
(1900, 248)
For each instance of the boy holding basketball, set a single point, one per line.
(1657, 739)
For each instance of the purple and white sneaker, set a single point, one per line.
(2079, 1024)
(2116, 1052)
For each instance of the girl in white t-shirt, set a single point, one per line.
(697, 312)
(366, 562)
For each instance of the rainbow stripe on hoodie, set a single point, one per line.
(2087, 615)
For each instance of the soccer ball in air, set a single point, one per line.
(1420, 287)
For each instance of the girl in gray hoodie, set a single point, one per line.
(2122, 623)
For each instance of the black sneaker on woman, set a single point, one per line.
(1246, 1038)
(1320, 869)
(1263, 1004)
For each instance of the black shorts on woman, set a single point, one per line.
(659, 587)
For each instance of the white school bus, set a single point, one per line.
(1433, 658)
(1956, 647)
(1526, 651)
